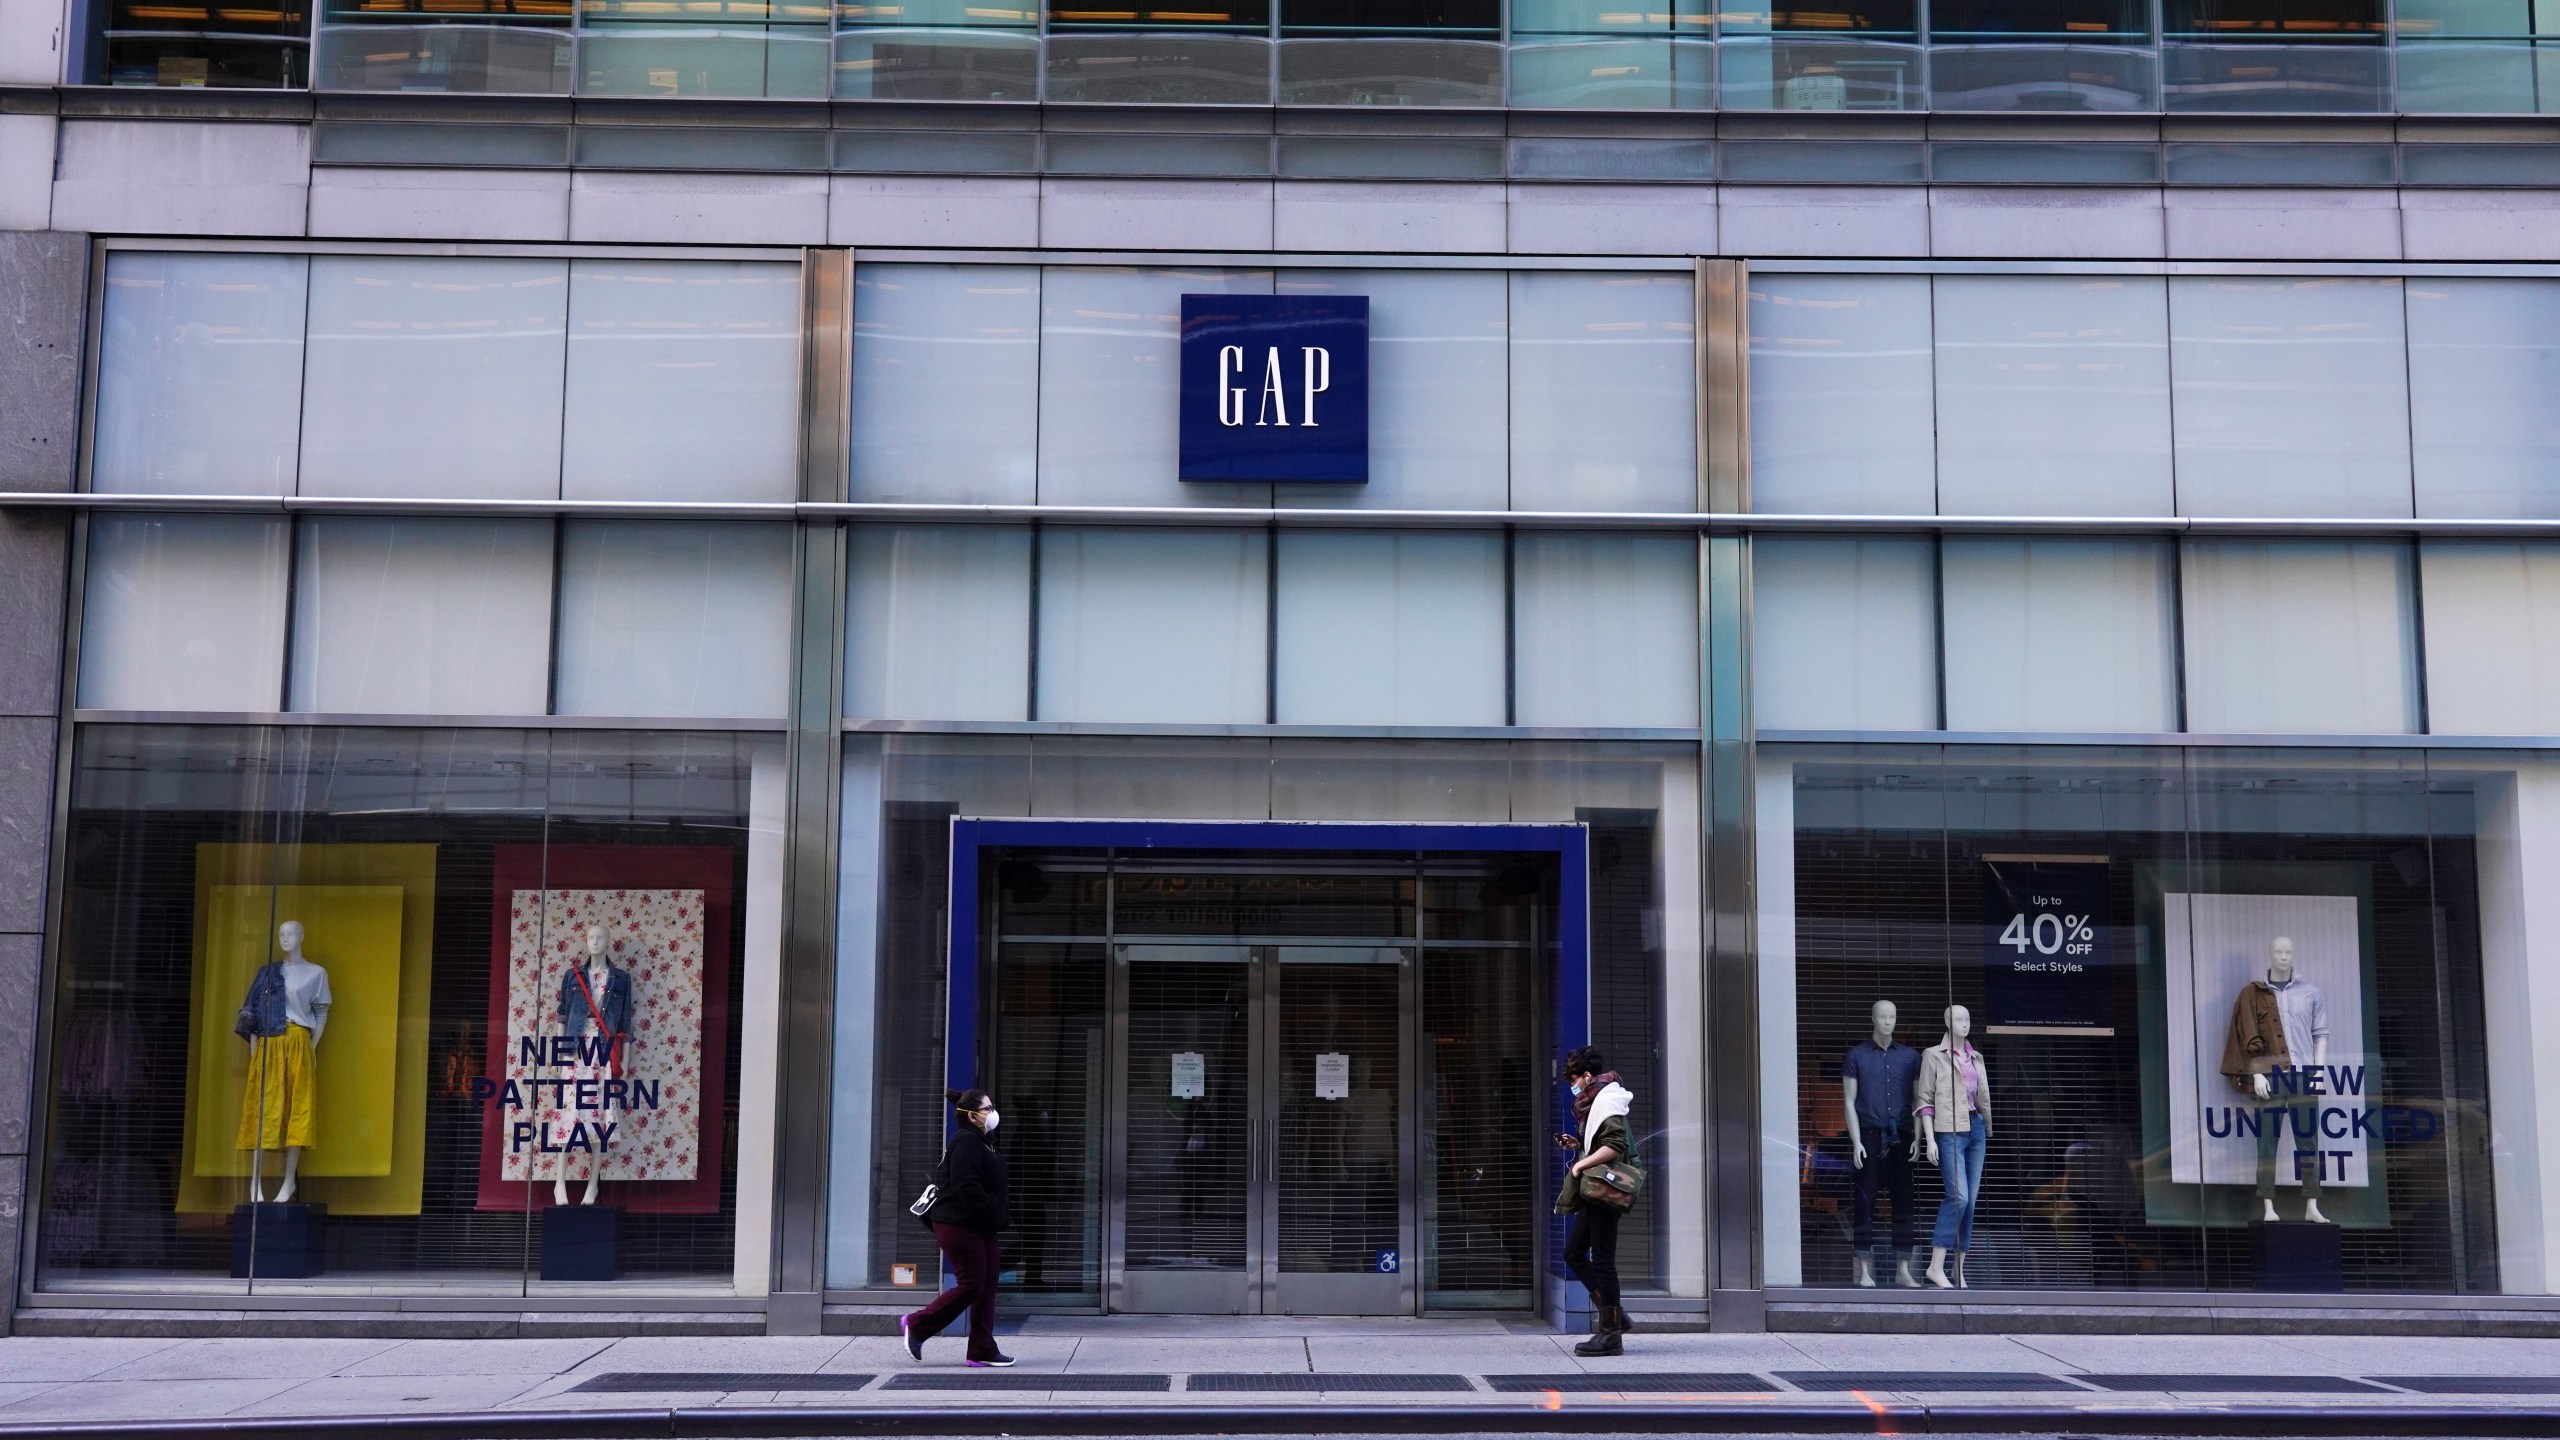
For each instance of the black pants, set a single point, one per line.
(1888, 1168)
(1591, 1250)
(972, 1254)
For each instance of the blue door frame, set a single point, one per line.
(1570, 843)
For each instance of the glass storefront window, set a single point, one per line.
(321, 1026)
(2227, 1007)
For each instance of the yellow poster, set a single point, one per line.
(367, 913)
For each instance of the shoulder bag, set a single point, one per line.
(1616, 1184)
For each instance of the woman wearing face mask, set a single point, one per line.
(1600, 1106)
(967, 1212)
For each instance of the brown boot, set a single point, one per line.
(1615, 1317)
(1603, 1341)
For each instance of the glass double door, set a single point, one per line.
(1265, 1141)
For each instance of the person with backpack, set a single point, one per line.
(1599, 1188)
(965, 1205)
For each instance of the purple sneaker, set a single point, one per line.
(915, 1342)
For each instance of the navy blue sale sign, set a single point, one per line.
(2046, 946)
(1276, 388)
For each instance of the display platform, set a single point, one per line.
(278, 1241)
(582, 1242)
(2300, 1256)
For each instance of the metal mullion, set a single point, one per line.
(1730, 986)
(814, 761)
(1115, 1085)
(1409, 1034)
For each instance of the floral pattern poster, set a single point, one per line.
(669, 915)
(656, 935)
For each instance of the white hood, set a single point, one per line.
(1613, 1099)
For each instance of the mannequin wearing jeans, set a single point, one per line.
(1954, 1112)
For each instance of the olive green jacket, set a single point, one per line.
(1612, 1135)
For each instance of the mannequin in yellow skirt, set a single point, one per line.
(282, 1019)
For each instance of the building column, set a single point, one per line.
(814, 759)
(1725, 769)
(45, 274)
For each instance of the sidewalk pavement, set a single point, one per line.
(1308, 1365)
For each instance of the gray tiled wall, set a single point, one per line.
(43, 277)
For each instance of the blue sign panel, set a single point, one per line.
(1275, 387)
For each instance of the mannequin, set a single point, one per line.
(609, 1011)
(2303, 1017)
(1953, 1108)
(1876, 1082)
(283, 1018)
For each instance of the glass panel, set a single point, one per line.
(422, 617)
(777, 49)
(184, 612)
(2513, 825)
(523, 49)
(2059, 634)
(2484, 397)
(2341, 76)
(2053, 396)
(1110, 344)
(889, 1111)
(2493, 637)
(401, 346)
(2012, 76)
(1439, 383)
(1605, 629)
(1048, 1073)
(684, 381)
(1842, 407)
(1844, 634)
(1225, 62)
(225, 49)
(2292, 397)
(666, 618)
(1154, 625)
(1189, 1155)
(946, 383)
(2337, 889)
(1603, 382)
(2286, 636)
(938, 623)
(923, 63)
(1390, 629)
(372, 867)
(1338, 1168)
(1481, 1088)
(1605, 71)
(1462, 66)
(2477, 78)
(200, 374)
(1792, 69)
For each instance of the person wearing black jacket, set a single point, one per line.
(968, 1210)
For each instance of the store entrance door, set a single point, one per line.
(1265, 1144)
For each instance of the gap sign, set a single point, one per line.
(1275, 387)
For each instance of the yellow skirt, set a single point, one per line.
(278, 1100)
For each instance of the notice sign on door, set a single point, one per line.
(1333, 1076)
(1190, 1075)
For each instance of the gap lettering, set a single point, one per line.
(1275, 388)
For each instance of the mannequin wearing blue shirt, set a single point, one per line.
(1876, 1080)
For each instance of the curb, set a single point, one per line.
(756, 1422)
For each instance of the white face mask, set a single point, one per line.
(992, 1118)
(1578, 1086)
